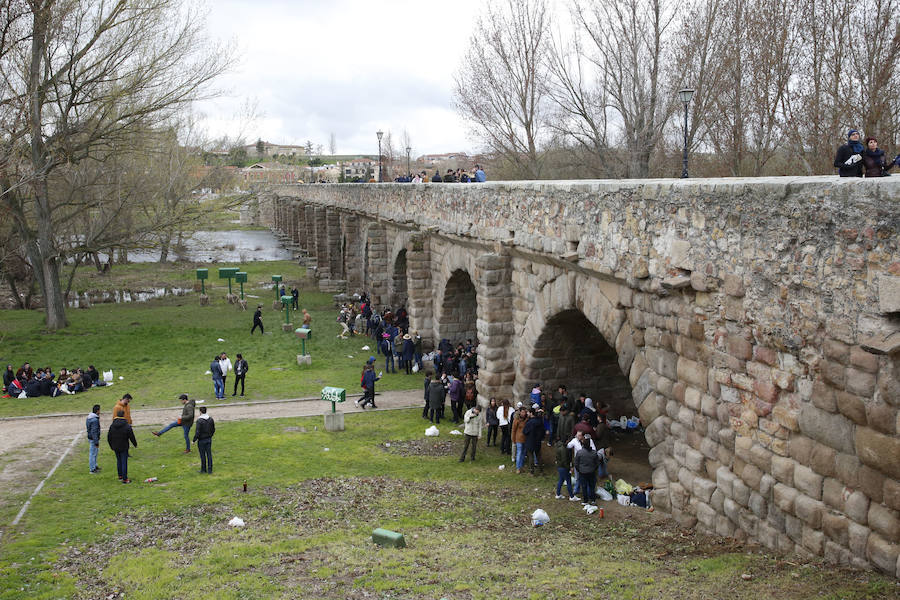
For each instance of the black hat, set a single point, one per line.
(183, 397)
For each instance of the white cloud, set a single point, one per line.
(349, 67)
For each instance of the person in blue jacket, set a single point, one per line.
(368, 382)
(92, 423)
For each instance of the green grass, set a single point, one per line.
(310, 513)
(163, 348)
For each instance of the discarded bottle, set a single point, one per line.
(600, 512)
(150, 480)
(245, 486)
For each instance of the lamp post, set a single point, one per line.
(685, 96)
(408, 173)
(379, 133)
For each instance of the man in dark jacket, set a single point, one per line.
(848, 159)
(240, 371)
(368, 382)
(436, 394)
(92, 423)
(203, 434)
(586, 463)
(218, 378)
(534, 433)
(456, 398)
(186, 420)
(257, 321)
(118, 436)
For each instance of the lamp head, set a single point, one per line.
(379, 133)
(685, 94)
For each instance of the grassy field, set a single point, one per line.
(315, 497)
(163, 348)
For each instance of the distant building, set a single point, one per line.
(430, 160)
(360, 167)
(271, 172)
(269, 149)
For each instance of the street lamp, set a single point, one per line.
(685, 96)
(408, 149)
(379, 133)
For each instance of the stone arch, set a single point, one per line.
(458, 278)
(582, 311)
(397, 283)
(458, 308)
(374, 271)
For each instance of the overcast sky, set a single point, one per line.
(349, 67)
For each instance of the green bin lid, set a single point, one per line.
(202, 273)
(227, 272)
(276, 277)
(334, 394)
(240, 277)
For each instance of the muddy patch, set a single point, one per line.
(425, 447)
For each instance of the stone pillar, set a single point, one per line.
(496, 328)
(376, 266)
(302, 239)
(334, 238)
(323, 270)
(421, 299)
(295, 222)
(353, 253)
(310, 220)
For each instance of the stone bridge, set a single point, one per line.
(752, 324)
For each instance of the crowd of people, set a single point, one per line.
(120, 435)
(460, 175)
(28, 382)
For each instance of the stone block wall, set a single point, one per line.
(756, 322)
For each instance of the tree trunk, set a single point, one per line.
(164, 244)
(15, 291)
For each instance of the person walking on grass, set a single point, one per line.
(473, 422)
(93, 435)
(257, 321)
(185, 420)
(118, 436)
(203, 434)
(240, 371)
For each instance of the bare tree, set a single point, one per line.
(332, 144)
(629, 54)
(77, 78)
(501, 85)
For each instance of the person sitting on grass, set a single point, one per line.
(186, 420)
(118, 436)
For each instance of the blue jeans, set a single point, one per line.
(588, 484)
(520, 455)
(389, 360)
(564, 475)
(205, 448)
(122, 464)
(94, 449)
(219, 388)
(419, 361)
(187, 431)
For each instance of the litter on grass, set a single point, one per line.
(455, 432)
(501, 467)
(325, 449)
(539, 517)
(365, 348)
(432, 431)
(236, 522)
(220, 340)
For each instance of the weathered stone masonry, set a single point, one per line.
(754, 325)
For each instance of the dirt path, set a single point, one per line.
(30, 446)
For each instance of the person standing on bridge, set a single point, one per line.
(848, 159)
(480, 177)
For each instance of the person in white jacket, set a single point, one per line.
(473, 423)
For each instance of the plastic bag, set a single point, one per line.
(604, 495)
(539, 517)
(623, 500)
(432, 431)
(236, 522)
(107, 376)
(622, 487)
(455, 432)
(415, 368)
